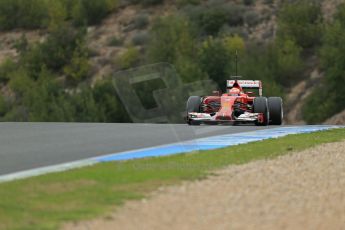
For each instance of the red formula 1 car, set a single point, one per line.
(236, 106)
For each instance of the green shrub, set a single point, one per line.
(115, 41)
(234, 44)
(55, 52)
(145, 2)
(301, 21)
(189, 70)
(248, 2)
(22, 44)
(58, 14)
(3, 106)
(226, 30)
(7, 67)
(79, 68)
(89, 12)
(140, 38)
(182, 3)
(151, 2)
(27, 14)
(320, 105)
(171, 37)
(141, 21)
(129, 58)
(212, 17)
(32, 14)
(252, 18)
(329, 98)
(110, 109)
(215, 60)
(45, 100)
(288, 62)
(259, 62)
(172, 40)
(210, 21)
(235, 14)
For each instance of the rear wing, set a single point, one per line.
(246, 84)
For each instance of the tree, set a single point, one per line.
(78, 69)
(329, 98)
(215, 60)
(211, 20)
(233, 44)
(288, 62)
(173, 41)
(259, 62)
(301, 22)
(109, 106)
(129, 58)
(25, 14)
(171, 37)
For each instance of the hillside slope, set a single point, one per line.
(125, 38)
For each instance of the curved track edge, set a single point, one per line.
(208, 143)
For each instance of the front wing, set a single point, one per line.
(208, 118)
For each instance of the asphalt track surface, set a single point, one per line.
(25, 146)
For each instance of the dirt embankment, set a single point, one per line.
(305, 190)
(338, 119)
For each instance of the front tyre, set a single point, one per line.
(193, 106)
(261, 106)
(275, 105)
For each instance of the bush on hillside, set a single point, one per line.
(215, 60)
(252, 18)
(27, 14)
(45, 100)
(210, 21)
(258, 62)
(115, 41)
(182, 3)
(171, 37)
(7, 67)
(329, 98)
(79, 67)
(301, 21)
(110, 108)
(248, 2)
(33, 14)
(140, 38)
(129, 58)
(235, 14)
(289, 63)
(141, 21)
(90, 12)
(55, 52)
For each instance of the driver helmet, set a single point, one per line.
(235, 92)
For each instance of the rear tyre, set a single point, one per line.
(275, 106)
(261, 106)
(193, 105)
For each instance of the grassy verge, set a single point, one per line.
(45, 202)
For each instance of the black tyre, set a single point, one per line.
(261, 106)
(193, 105)
(275, 107)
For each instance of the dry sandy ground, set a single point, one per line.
(338, 119)
(304, 190)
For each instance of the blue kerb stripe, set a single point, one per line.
(214, 142)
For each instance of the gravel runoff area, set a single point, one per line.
(304, 190)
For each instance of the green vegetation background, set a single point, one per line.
(199, 39)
